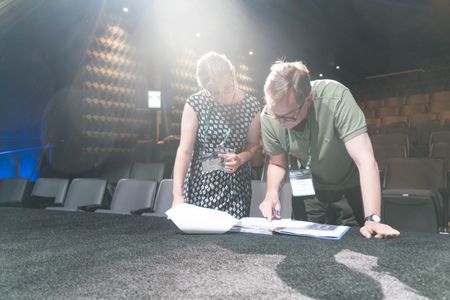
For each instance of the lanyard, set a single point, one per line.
(288, 144)
(206, 131)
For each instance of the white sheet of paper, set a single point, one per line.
(190, 218)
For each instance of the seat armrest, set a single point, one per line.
(92, 207)
(44, 205)
(141, 211)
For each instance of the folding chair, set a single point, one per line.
(49, 192)
(83, 192)
(12, 191)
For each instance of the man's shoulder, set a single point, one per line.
(268, 123)
(327, 88)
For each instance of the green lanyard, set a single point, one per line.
(288, 144)
(231, 181)
(206, 132)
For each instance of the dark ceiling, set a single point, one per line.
(362, 37)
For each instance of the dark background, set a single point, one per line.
(42, 44)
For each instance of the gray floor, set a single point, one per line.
(58, 255)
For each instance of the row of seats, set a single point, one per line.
(17, 191)
(412, 121)
(131, 196)
(416, 99)
(414, 195)
(401, 145)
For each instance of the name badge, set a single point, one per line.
(301, 182)
(211, 162)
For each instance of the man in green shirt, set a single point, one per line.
(320, 124)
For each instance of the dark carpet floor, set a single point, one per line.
(58, 255)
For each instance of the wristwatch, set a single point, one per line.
(373, 218)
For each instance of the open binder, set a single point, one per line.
(198, 220)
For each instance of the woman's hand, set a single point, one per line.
(232, 161)
(177, 200)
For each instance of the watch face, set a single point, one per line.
(375, 218)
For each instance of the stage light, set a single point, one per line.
(250, 52)
(125, 9)
(338, 67)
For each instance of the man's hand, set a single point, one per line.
(378, 230)
(270, 208)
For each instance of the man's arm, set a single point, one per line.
(360, 150)
(276, 172)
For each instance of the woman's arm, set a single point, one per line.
(189, 125)
(234, 161)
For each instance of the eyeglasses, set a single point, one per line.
(288, 117)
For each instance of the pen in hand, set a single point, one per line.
(276, 213)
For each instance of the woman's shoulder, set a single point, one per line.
(197, 98)
(252, 102)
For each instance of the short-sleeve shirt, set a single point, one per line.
(333, 119)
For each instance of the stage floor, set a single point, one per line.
(60, 255)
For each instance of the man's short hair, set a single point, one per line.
(284, 75)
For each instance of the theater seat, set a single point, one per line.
(259, 189)
(12, 191)
(164, 199)
(147, 171)
(416, 184)
(412, 210)
(49, 192)
(82, 192)
(131, 196)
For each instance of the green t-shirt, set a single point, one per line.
(333, 119)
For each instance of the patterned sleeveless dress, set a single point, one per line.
(229, 192)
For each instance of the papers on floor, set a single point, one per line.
(193, 219)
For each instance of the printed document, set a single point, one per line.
(198, 220)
